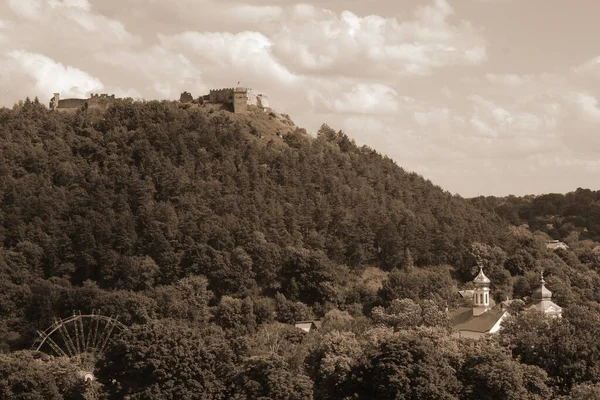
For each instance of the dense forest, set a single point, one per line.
(210, 233)
(558, 215)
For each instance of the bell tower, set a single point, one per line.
(481, 293)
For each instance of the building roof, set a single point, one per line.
(462, 319)
(546, 306)
(308, 325)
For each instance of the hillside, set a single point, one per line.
(188, 187)
(209, 234)
(558, 215)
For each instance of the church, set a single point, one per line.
(484, 316)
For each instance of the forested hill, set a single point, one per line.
(558, 215)
(199, 191)
(209, 234)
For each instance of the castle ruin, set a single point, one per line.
(238, 99)
(98, 101)
(186, 97)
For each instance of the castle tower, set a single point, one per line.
(240, 100)
(481, 293)
(186, 97)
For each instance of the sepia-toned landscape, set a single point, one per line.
(269, 200)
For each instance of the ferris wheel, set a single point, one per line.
(82, 338)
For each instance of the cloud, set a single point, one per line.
(28, 9)
(590, 68)
(255, 14)
(433, 116)
(508, 79)
(362, 98)
(586, 106)
(4, 28)
(161, 73)
(323, 42)
(247, 53)
(171, 17)
(83, 5)
(51, 76)
(66, 23)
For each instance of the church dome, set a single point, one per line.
(481, 279)
(542, 293)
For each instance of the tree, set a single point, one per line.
(188, 299)
(310, 277)
(236, 316)
(418, 284)
(565, 348)
(331, 364)
(165, 359)
(585, 391)
(269, 377)
(23, 377)
(417, 364)
(489, 372)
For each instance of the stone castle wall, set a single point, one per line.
(221, 95)
(71, 103)
(237, 97)
(95, 101)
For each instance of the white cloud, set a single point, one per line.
(434, 116)
(80, 4)
(256, 14)
(29, 9)
(51, 76)
(482, 127)
(246, 52)
(4, 28)
(163, 74)
(354, 46)
(589, 68)
(66, 22)
(587, 105)
(362, 98)
(508, 79)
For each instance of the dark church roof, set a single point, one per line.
(462, 319)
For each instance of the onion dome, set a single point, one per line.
(542, 293)
(481, 279)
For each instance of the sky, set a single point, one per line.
(482, 97)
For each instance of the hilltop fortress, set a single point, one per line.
(236, 99)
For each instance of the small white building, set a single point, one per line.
(308, 326)
(556, 244)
